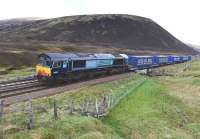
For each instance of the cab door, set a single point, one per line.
(57, 67)
(65, 65)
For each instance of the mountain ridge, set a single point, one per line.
(109, 30)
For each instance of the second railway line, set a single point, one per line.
(16, 87)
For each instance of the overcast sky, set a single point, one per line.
(179, 17)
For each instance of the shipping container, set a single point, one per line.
(141, 62)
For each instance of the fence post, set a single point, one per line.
(110, 101)
(30, 116)
(105, 103)
(97, 108)
(87, 108)
(14, 111)
(72, 107)
(1, 108)
(55, 110)
(109, 104)
(83, 108)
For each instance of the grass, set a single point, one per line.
(149, 112)
(161, 108)
(11, 74)
(68, 126)
(185, 85)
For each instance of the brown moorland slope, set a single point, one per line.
(89, 33)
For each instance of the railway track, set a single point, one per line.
(19, 79)
(18, 87)
(40, 91)
(31, 85)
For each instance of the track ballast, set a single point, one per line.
(20, 86)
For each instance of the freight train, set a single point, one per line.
(53, 67)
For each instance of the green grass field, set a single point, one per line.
(161, 108)
(150, 112)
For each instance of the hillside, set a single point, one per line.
(119, 31)
(21, 40)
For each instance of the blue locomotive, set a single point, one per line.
(69, 66)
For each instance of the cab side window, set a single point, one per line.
(65, 64)
(118, 62)
(79, 63)
(140, 61)
(57, 64)
(48, 63)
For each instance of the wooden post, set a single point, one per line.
(83, 108)
(109, 104)
(1, 108)
(111, 100)
(87, 107)
(72, 108)
(30, 116)
(148, 72)
(14, 114)
(97, 108)
(105, 103)
(108, 101)
(55, 110)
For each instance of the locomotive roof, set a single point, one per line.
(161, 55)
(138, 56)
(66, 56)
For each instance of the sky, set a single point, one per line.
(179, 17)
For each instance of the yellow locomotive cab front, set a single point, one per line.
(43, 71)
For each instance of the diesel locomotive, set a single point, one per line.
(68, 66)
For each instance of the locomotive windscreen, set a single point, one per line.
(44, 61)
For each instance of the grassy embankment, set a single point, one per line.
(162, 107)
(12, 74)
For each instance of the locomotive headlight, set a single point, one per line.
(43, 71)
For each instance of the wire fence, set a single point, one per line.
(94, 107)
